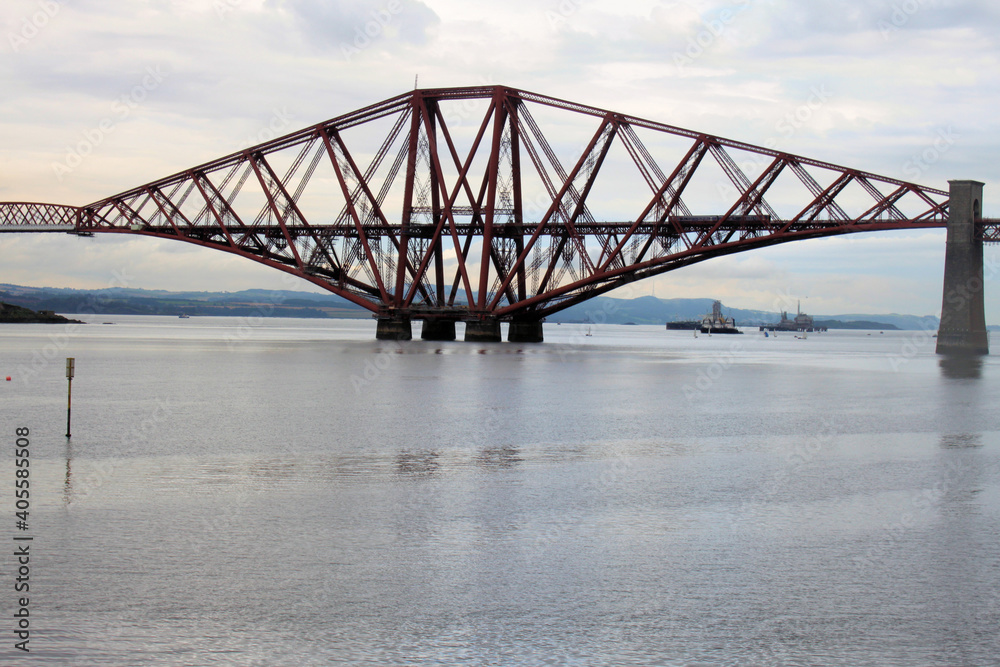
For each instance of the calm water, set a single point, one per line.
(296, 493)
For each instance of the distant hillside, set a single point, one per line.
(120, 301)
(278, 303)
(651, 310)
(858, 324)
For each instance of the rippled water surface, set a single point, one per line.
(296, 493)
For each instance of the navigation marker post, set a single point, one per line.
(70, 371)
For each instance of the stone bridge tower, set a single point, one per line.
(963, 316)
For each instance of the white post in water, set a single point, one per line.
(70, 371)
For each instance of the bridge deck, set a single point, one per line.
(23, 221)
(13, 229)
(991, 228)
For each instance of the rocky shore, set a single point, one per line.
(10, 314)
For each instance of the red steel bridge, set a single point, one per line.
(490, 204)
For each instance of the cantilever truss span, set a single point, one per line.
(494, 203)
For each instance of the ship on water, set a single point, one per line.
(801, 322)
(714, 322)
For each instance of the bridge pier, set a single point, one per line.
(438, 330)
(393, 328)
(528, 331)
(483, 331)
(963, 316)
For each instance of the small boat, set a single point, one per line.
(588, 332)
(184, 316)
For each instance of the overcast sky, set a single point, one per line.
(100, 96)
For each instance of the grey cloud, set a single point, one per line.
(821, 26)
(333, 24)
(767, 28)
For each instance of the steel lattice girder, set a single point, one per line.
(456, 203)
(32, 217)
(990, 231)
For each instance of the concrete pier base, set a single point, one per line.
(525, 332)
(483, 331)
(438, 330)
(393, 328)
(963, 315)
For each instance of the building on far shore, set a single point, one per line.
(801, 322)
(714, 322)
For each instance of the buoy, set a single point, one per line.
(8, 378)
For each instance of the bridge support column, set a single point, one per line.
(393, 328)
(529, 331)
(483, 331)
(438, 330)
(963, 316)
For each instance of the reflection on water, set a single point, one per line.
(961, 367)
(68, 480)
(961, 440)
(499, 457)
(640, 499)
(417, 463)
